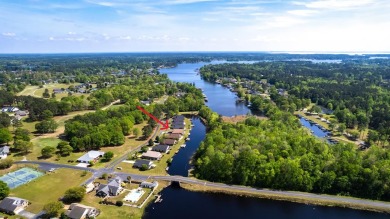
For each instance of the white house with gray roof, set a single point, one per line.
(4, 151)
(90, 156)
(112, 188)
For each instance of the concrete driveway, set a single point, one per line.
(26, 214)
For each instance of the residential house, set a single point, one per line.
(145, 102)
(178, 131)
(152, 155)
(173, 136)
(140, 162)
(4, 151)
(177, 126)
(81, 90)
(21, 113)
(169, 142)
(178, 118)
(149, 185)
(112, 188)
(58, 90)
(13, 205)
(161, 148)
(90, 156)
(9, 109)
(79, 211)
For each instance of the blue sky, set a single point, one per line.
(55, 26)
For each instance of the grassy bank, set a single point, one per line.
(286, 197)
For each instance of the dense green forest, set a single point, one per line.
(357, 92)
(109, 128)
(277, 153)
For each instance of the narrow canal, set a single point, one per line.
(180, 164)
(181, 203)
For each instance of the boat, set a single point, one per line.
(166, 169)
(205, 99)
(187, 139)
(183, 145)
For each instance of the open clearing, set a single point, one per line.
(49, 187)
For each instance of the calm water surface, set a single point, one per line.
(220, 99)
(180, 203)
(180, 164)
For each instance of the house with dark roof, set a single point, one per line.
(58, 90)
(112, 188)
(138, 163)
(13, 205)
(173, 136)
(177, 126)
(152, 155)
(79, 211)
(178, 118)
(4, 151)
(169, 142)
(90, 156)
(163, 148)
(149, 185)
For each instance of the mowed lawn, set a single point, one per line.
(49, 187)
(37, 92)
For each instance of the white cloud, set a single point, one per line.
(335, 4)
(71, 33)
(283, 21)
(125, 38)
(177, 2)
(303, 12)
(9, 34)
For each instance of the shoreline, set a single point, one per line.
(280, 197)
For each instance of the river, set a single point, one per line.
(220, 99)
(181, 203)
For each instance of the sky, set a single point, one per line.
(74, 26)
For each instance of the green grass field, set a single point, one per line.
(37, 92)
(48, 188)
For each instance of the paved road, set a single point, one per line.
(47, 165)
(181, 179)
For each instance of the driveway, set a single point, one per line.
(26, 214)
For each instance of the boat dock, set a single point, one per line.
(158, 199)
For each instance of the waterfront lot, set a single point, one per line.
(162, 164)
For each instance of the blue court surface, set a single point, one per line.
(20, 177)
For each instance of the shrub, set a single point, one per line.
(6, 163)
(119, 203)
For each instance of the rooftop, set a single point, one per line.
(90, 156)
(153, 154)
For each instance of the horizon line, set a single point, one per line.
(268, 52)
